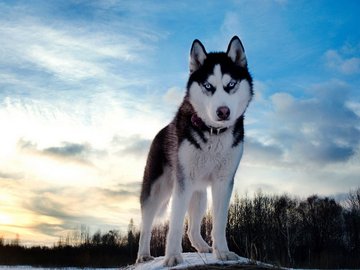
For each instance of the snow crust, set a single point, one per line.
(190, 259)
(24, 267)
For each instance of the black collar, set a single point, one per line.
(197, 122)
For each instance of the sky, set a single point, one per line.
(86, 85)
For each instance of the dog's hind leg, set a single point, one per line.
(148, 211)
(158, 200)
(196, 212)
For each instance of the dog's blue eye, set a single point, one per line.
(208, 86)
(231, 84)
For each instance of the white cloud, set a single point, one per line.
(259, 91)
(174, 96)
(316, 130)
(336, 61)
(354, 106)
(282, 101)
(302, 145)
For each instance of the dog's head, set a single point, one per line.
(220, 85)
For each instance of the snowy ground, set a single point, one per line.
(48, 268)
(190, 259)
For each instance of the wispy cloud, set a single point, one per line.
(337, 62)
(131, 145)
(56, 55)
(64, 77)
(50, 212)
(69, 149)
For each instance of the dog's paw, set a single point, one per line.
(200, 245)
(204, 249)
(172, 260)
(144, 258)
(226, 255)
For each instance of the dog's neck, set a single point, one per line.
(197, 122)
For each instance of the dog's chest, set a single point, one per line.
(215, 156)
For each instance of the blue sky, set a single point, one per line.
(86, 85)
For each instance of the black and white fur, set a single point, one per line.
(201, 147)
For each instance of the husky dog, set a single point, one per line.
(201, 147)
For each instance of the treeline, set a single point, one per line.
(77, 249)
(313, 233)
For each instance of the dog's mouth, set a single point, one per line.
(216, 124)
(222, 123)
(223, 120)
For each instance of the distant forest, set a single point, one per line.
(317, 232)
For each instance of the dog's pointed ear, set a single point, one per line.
(197, 55)
(236, 52)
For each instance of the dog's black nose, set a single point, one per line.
(223, 112)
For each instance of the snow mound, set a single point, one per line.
(190, 259)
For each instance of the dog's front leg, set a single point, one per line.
(221, 193)
(180, 201)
